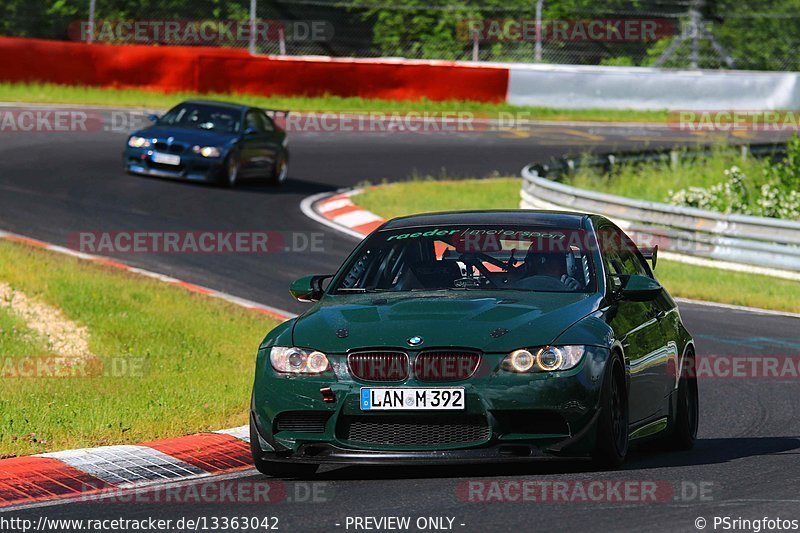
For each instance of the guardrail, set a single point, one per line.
(606, 87)
(767, 243)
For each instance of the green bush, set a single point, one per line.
(773, 194)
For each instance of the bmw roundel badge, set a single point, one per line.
(415, 340)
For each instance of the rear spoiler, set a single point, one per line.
(651, 254)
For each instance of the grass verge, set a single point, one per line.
(175, 362)
(688, 281)
(69, 94)
(657, 181)
(722, 181)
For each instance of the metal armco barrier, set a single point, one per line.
(747, 240)
(587, 87)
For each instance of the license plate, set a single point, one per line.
(396, 399)
(166, 159)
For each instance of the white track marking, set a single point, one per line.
(356, 218)
(125, 464)
(241, 433)
(334, 204)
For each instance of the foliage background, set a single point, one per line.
(758, 34)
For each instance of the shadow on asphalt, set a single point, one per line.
(705, 452)
(290, 186)
(713, 451)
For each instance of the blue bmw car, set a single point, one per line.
(209, 141)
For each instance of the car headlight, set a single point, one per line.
(206, 151)
(546, 359)
(138, 142)
(291, 360)
(520, 361)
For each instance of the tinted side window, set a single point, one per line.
(620, 255)
(253, 120)
(268, 124)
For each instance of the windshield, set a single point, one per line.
(536, 259)
(202, 117)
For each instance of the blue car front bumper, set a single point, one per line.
(192, 167)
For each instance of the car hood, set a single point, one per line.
(187, 135)
(490, 323)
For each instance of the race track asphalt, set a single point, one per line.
(745, 464)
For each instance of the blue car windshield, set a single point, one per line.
(538, 259)
(202, 117)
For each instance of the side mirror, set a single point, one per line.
(308, 288)
(153, 118)
(250, 131)
(641, 289)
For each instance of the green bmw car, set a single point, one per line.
(473, 337)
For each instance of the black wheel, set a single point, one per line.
(280, 170)
(230, 173)
(276, 468)
(612, 431)
(687, 411)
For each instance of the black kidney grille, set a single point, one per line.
(378, 365)
(446, 365)
(413, 431)
(302, 421)
(172, 148)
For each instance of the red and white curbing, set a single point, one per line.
(340, 213)
(93, 471)
(90, 472)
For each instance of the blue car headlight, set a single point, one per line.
(206, 151)
(138, 142)
(545, 359)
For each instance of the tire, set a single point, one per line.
(230, 174)
(611, 447)
(277, 468)
(280, 170)
(687, 410)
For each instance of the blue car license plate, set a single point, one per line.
(166, 159)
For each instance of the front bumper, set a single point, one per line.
(331, 454)
(526, 416)
(192, 167)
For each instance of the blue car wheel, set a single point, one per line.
(231, 172)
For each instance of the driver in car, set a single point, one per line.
(553, 265)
